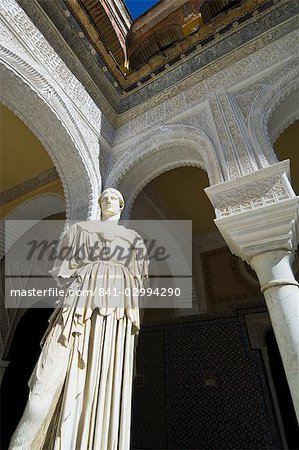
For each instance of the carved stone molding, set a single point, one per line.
(273, 47)
(236, 154)
(246, 75)
(256, 190)
(32, 39)
(285, 114)
(272, 227)
(242, 39)
(43, 178)
(279, 86)
(42, 101)
(168, 147)
(29, 107)
(168, 135)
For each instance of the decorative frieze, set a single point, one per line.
(181, 98)
(258, 189)
(258, 213)
(256, 231)
(16, 191)
(226, 73)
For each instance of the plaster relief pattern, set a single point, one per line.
(198, 118)
(247, 94)
(272, 93)
(231, 169)
(226, 73)
(49, 109)
(33, 40)
(171, 146)
(236, 153)
(250, 197)
(258, 189)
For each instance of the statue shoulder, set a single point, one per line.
(137, 239)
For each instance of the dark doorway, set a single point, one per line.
(23, 355)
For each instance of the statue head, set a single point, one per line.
(111, 203)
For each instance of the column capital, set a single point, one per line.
(258, 212)
(269, 228)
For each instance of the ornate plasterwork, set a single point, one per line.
(226, 72)
(49, 106)
(220, 54)
(273, 23)
(231, 129)
(246, 94)
(204, 85)
(167, 113)
(272, 93)
(241, 40)
(256, 190)
(163, 149)
(36, 44)
(219, 28)
(286, 113)
(54, 137)
(23, 188)
(196, 118)
(219, 117)
(261, 230)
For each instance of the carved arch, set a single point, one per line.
(270, 96)
(286, 113)
(33, 210)
(43, 108)
(166, 148)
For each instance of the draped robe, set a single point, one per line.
(93, 411)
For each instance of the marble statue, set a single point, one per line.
(80, 389)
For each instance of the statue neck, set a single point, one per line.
(115, 218)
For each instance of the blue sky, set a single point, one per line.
(138, 7)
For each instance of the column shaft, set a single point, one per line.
(278, 284)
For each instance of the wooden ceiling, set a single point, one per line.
(130, 60)
(99, 17)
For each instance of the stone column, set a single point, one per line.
(257, 215)
(281, 291)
